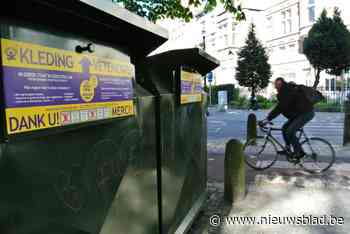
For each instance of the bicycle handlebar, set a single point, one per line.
(263, 124)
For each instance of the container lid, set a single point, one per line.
(195, 58)
(103, 19)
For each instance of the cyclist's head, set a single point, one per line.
(279, 82)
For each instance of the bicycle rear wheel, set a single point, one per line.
(319, 157)
(260, 153)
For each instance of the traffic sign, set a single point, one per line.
(210, 77)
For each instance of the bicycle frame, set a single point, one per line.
(269, 136)
(310, 157)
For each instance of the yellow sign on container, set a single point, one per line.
(48, 87)
(191, 87)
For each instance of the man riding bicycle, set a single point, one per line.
(295, 106)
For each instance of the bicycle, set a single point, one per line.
(262, 152)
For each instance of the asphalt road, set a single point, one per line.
(223, 126)
(232, 124)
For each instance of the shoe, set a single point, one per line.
(283, 152)
(299, 155)
(295, 161)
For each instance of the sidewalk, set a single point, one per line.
(286, 192)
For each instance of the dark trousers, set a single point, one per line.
(291, 127)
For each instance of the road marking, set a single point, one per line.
(232, 113)
(218, 122)
(215, 130)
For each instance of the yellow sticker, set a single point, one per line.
(36, 118)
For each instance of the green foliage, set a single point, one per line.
(241, 102)
(253, 69)
(261, 99)
(235, 94)
(328, 107)
(327, 46)
(160, 9)
(265, 103)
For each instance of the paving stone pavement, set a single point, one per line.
(281, 193)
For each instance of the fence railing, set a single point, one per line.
(336, 96)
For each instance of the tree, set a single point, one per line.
(160, 9)
(253, 70)
(327, 46)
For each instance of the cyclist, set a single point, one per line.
(293, 104)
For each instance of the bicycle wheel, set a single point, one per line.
(260, 153)
(319, 157)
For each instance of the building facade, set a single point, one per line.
(281, 26)
(287, 23)
(215, 32)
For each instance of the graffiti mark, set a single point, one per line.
(108, 173)
(69, 191)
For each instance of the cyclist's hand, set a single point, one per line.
(263, 122)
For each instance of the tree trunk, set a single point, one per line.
(317, 78)
(253, 105)
(253, 93)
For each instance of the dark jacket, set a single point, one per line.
(291, 102)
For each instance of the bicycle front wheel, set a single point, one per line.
(319, 157)
(260, 153)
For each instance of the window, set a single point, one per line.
(212, 42)
(307, 72)
(269, 23)
(286, 21)
(203, 27)
(332, 84)
(327, 84)
(289, 76)
(270, 50)
(289, 21)
(283, 22)
(225, 40)
(311, 10)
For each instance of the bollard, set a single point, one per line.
(251, 127)
(235, 180)
(346, 136)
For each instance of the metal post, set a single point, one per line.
(209, 93)
(205, 78)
